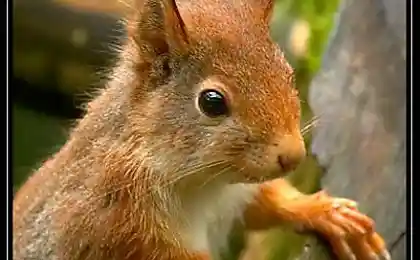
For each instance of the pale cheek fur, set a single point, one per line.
(211, 216)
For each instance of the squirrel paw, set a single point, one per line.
(350, 233)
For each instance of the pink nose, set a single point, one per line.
(291, 154)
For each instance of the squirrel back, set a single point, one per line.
(200, 106)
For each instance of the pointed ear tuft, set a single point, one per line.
(159, 28)
(266, 8)
(174, 23)
(268, 11)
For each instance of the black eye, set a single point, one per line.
(212, 103)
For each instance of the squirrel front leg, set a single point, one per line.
(350, 233)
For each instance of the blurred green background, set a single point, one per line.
(61, 48)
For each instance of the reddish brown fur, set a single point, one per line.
(112, 191)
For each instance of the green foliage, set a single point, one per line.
(35, 137)
(320, 16)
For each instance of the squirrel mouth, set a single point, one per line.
(250, 178)
(265, 177)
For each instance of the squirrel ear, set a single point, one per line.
(159, 28)
(174, 23)
(267, 8)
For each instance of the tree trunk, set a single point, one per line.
(360, 96)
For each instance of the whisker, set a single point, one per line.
(310, 124)
(138, 186)
(214, 176)
(191, 172)
(159, 184)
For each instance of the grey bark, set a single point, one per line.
(360, 96)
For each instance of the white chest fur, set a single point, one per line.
(210, 216)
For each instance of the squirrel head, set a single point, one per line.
(212, 93)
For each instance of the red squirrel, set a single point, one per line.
(197, 126)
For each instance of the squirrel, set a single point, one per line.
(196, 128)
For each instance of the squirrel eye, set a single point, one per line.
(212, 103)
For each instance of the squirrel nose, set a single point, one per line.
(293, 153)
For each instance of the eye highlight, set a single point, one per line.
(213, 103)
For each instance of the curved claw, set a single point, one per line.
(350, 232)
